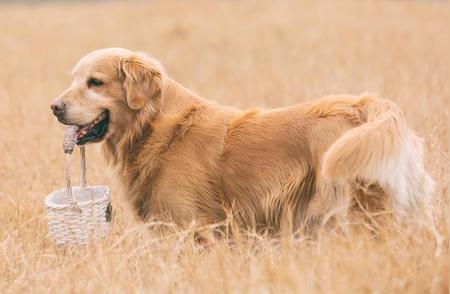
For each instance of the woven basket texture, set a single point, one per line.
(68, 225)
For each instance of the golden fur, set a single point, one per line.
(183, 158)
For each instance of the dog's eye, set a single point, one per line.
(94, 83)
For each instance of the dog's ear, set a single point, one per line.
(142, 81)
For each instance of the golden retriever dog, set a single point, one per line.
(185, 159)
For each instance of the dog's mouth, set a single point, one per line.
(94, 131)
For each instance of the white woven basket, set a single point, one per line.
(78, 215)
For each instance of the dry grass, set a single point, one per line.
(227, 51)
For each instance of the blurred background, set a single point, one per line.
(240, 53)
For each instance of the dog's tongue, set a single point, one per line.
(83, 130)
(70, 135)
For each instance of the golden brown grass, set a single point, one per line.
(226, 51)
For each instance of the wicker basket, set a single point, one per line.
(78, 215)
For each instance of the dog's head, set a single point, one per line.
(109, 87)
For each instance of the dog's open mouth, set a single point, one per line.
(94, 131)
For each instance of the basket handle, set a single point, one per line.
(69, 142)
(83, 181)
(73, 203)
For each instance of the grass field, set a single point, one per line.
(226, 51)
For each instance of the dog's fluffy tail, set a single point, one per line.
(383, 149)
(367, 147)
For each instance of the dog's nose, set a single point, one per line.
(57, 107)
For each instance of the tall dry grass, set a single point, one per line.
(249, 53)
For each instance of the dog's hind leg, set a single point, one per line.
(330, 204)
